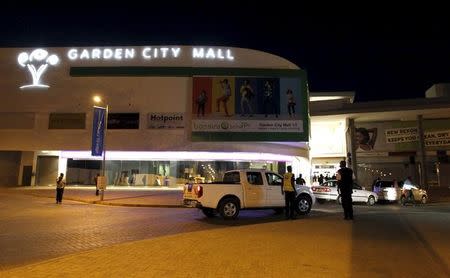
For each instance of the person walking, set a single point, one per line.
(300, 180)
(60, 184)
(345, 188)
(288, 190)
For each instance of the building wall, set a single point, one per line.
(31, 109)
(9, 167)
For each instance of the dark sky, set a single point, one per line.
(380, 56)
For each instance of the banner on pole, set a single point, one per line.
(98, 131)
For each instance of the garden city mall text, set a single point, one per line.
(147, 53)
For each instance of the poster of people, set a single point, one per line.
(232, 108)
(398, 136)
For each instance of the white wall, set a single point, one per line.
(328, 138)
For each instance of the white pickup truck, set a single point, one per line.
(244, 189)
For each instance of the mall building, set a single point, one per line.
(173, 113)
(180, 112)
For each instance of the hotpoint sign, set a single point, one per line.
(38, 61)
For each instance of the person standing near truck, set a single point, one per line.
(345, 188)
(288, 191)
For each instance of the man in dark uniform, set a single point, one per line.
(345, 187)
(288, 190)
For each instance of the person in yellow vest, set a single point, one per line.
(289, 193)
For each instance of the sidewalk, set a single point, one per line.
(115, 196)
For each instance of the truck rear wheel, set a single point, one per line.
(229, 208)
(209, 212)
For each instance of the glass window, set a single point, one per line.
(355, 186)
(329, 184)
(67, 121)
(385, 184)
(254, 178)
(123, 121)
(231, 177)
(274, 179)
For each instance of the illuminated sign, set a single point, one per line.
(37, 62)
(148, 53)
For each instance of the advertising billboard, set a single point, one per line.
(240, 108)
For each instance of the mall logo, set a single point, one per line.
(37, 63)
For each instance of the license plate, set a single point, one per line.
(190, 203)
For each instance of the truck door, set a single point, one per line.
(255, 190)
(274, 196)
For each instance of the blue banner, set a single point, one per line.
(98, 131)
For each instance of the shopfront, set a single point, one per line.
(175, 113)
(384, 140)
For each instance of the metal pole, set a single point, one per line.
(105, 128)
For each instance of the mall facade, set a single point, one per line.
(180, 112)
(173, 113)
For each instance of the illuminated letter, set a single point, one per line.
(72, 54)
(197, 53)
(129, 53)
(164, 51)
(219, 54)
(145, 53)
(229, 56)
(155, 52)
(175, 51)
(107, 53)
(118, 54)
(96, 53)
(210, 54)
(84, 54)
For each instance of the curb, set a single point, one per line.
(112, 204)
(135, 205)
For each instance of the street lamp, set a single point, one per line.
(98, 100)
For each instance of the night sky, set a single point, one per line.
(379, 56)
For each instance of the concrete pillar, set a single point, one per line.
(422, 153)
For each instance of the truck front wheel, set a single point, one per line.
(229, 208)
(304, 204)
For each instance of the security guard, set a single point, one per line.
(345, 188)
(289, 193)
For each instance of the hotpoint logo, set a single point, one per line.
(37, 63)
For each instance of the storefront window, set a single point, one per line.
(158, 173)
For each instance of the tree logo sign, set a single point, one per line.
(37, 63)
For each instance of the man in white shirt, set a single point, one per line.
(407, 188)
